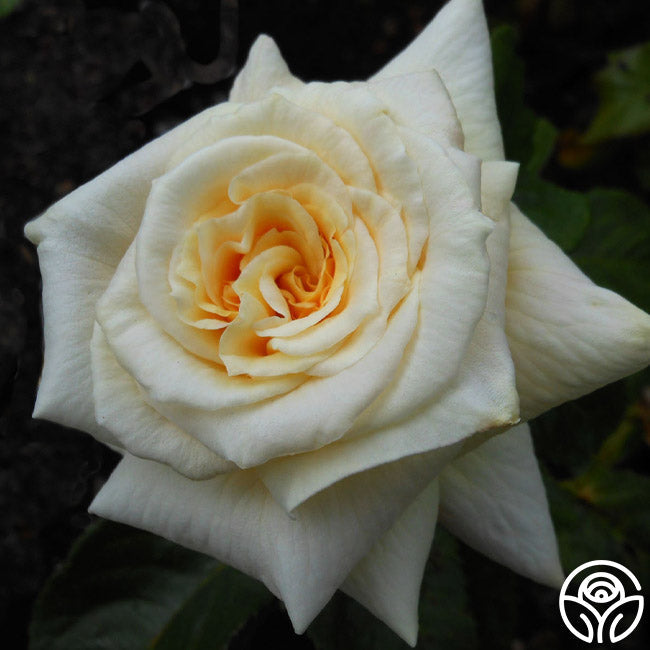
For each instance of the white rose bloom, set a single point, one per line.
(310, 320)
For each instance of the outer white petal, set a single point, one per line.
(264, 69)
(81, 240)
(302, 559)
(567, 335)
(493, 498)
(121, 408)
(387, 581)
(420, 101)
(457, 45)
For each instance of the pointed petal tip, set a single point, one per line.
(45, 405)
(303, 611)
(264, 44)
(265, 68)
(567, 338)
(32, 232)
(547, 571)
(407, 631)
(555, 577)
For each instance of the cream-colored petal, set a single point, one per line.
(387, 581)
(480, 403)
(356, 110)
(313, 414)
(120, 407)
(264, 69)
(361, 299)
(267, 264)
(454, 290)
(176, 200)
(456, 44)
(284, 171)
(389, 234)
(482, 396)
(275, 116)
(163, 368)
(420, 101)
(81, 240)
(567, 335)
(494, 500)
(302, 559)
(272, 328)
(245, 353)
(470, 167)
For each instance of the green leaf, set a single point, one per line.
(346, 624)
(7, 6)
(126, 589)
(622, 496)
(218, 609)
(445, 619)
(528, 139)
(493, 593)
(583, 534)
(624, 89)
(570, 435)
(615, 249)
(562, 215)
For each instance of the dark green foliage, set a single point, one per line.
(126, 589)
(624, 89)
(7, 6)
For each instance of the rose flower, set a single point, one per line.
(310, 320)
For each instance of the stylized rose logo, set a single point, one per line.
(601, 604)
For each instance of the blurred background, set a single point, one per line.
(85, 82)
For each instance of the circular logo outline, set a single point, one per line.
(600, 618)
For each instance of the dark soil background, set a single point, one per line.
(83, 83)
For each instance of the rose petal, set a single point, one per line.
(457, 265)
(439, 433)
(303, 559)
(175, 202)
(567, 335)
(361, 303)
(313, 414)
(494, 500)
(482, 396)
(420, 101)
(264, 69)
(355, 109)
(275, 116)
(240, 348)
(456, 44)
(387, 581)
(120, 408)
(470, 167)
(162, 367)
(389, 234)
(81, 240)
